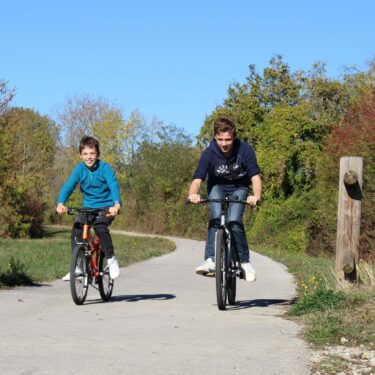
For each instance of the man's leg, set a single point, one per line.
(235, 223)
(209, 255)
(214, 223)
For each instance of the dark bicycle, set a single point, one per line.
(88, 265)
(227, 265)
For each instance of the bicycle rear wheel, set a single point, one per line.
(105, 281)
(232, 280)
(79, 280)
(221, 270)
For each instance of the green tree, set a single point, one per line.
(160, 175)
(27, 149)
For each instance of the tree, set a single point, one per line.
(160, 175)
(27, 148)
(354, 137)
(6, 96)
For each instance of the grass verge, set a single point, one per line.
(26, 262)
(327, 313)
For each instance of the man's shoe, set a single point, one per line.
(248, 271)
(207, 267)
(114, 269)
(66, 277)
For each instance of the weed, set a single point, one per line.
(316, 296)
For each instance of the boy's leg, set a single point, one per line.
(101, 229)
(101, 225)
(76, 235)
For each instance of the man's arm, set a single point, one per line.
(257, 190)
(194, 196)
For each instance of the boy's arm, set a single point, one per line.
(115, 190)
(67, 190)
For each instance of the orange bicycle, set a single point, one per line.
(88, 265)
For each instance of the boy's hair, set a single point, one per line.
(224, 124)
(91, 142)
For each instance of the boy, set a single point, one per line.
(100, 189)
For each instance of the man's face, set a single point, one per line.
(225, 142)
(89, 156)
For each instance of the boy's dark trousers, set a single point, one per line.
(101, 224)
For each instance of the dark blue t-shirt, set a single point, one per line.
(231, 173)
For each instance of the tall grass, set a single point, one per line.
(24, 262)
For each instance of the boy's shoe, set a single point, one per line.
(207, 267)
(114, 269)
(249, 272)
(78, 271)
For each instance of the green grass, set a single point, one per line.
(328, 313)
(24, 262)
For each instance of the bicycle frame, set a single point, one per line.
(94, 250)
(231, 252)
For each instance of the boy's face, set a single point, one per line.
(89, 156)
(225, 142)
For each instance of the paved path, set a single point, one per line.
(163, 319)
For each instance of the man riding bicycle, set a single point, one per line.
(230, 166)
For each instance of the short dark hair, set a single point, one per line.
(87, 141)
(224, 124)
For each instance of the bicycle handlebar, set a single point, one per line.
(225, 200)
(95, 211)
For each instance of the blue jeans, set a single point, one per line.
(234, 221)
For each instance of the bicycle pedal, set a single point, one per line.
(209, 274)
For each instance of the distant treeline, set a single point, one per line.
(300, 124)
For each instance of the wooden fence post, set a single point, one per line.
(349, 219)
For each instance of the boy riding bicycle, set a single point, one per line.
(100, 189)
(230, 166)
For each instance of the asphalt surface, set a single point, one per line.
(162, 319)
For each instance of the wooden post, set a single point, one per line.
(349, 219)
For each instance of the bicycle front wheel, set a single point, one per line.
(221, 270)
(232, 280)
(105, 281)
(79, 280)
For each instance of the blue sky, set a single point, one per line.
(170, 59)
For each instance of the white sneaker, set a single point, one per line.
(114, 269)
(249, 272)
(78, 271)
(207, 267)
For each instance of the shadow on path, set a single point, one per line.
(259, 303)
(135, 298)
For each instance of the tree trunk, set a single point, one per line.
(349, 219)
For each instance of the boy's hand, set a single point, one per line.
(113, 211)
(61, 209)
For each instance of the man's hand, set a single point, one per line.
(113, 211)
(252, 200)
(61, 209)
(194, 198)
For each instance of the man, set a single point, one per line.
(230, 166)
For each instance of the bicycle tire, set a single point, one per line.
(221, 269)
(232, 280)
(79, 281)
(105, 282)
